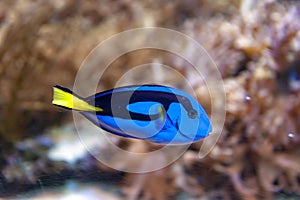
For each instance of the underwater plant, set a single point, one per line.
(255, 44)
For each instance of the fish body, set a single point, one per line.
(156, 113)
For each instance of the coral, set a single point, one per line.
(258, 148)
(255, 44)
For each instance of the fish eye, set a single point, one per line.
(192, 114)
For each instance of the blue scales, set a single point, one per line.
(156, 113)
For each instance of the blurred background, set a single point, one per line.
(256, 46)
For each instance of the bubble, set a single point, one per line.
(99, 59)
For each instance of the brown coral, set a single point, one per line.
(255, 44)
(258, 149)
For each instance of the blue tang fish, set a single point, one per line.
(155, 113)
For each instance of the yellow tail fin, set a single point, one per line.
(64, 97)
